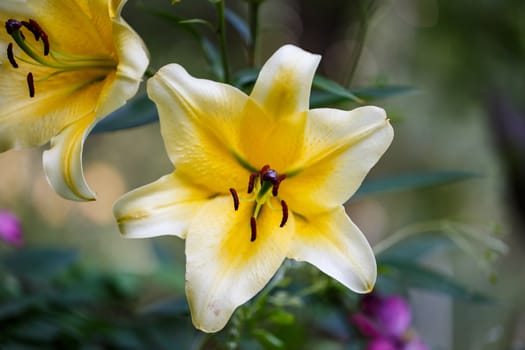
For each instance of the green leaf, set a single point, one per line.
(267, 339)
(138, 111)
(42, 330)
(212, 55)
(331, 87)
(41, 263)
(16, 307)
(198, 21)
(411, 275)
(239, 25)
(319, 99)
(385, 91)
(416, 246)
(281, 317)
(414, 181)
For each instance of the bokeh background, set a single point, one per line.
(465, 61)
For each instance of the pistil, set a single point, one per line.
(265, 188)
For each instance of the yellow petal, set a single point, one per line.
(266, 140)
(63, 161)
(284, 83)
(58, 102)
(164, 207)
(199, 122)
(79, 27)
(336, 246)
(340, 148)
(223, 268)
(133, 59)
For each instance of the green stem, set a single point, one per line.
(254, 26)
(222, 37)
(361, 35)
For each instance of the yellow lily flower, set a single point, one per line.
(257, 179)
(66, 65)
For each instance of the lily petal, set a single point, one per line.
(223, 268)
(284, 83)
(336, 246)
(63, 161)
(266, 140)
(133, 62)
(164, 207)
(340, 148)
(199, 122)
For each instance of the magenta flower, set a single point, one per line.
(383, 316)
(387, 321)
(10, 228)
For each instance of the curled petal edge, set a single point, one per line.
(63, 161)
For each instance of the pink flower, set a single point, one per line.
(386, 316)
(386, 321)
(10, 228)
(381, 344)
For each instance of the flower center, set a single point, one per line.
(264, 185)
(47, 57)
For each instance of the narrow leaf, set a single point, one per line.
(330, 86)
(139, 111)
(416, 246)
(199, 21)
(412, 275)
(406, 182)
(268, 340)
(239, 25)
(381, 92)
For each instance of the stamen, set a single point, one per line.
(45, 40)
(11, 56)
(32, 28)
(253, 226)
(264, 169)
(235, 198)
(275, 189)
(38, 32)
(251, 183)
(285, 213)
(31, 84)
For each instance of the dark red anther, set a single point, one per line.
(45, 40)
(235, 198)
(275, 188)
(285, 213)
(38, 32)
(251, 183)
(32, 28)
(11, 56)
(11, 25)
(263, 170)
(31, 84)
(253, 226)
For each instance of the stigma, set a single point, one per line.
(263, 185)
